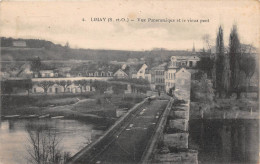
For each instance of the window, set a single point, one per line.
(96, 73)
(34, 90)
(56, 74)
(79, 74)
(102, 73)
(50, 89)
(190, 63)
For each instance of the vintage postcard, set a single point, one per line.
(129, 82)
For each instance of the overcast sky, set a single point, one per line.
(60, 22)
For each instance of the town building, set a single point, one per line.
(19, 43)
(170, 74)
(120, 74)
(157, 77)
(55, 88)
(182, 84)
(142, 73)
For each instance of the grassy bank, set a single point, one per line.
(105, 105)
(227, 109)
(68, 105)
(34, 104)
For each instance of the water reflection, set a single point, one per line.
(13, 137)
(225, 141)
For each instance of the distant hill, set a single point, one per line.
(25, 49)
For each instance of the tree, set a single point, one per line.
(207, 41)
(202, 91)
(43, 145)
(67, 45)
(234, 54)
(28, 85)
(248, 65)
(100, 86)
(226, 75)
(36, 64)
(219, 60)
(206, 65)
(45, 85)
(81, 84)
(64, 83)
(119, 88)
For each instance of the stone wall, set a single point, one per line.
(176, 140)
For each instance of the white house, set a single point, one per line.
(120, 74)
(142, 73)
(183, 84)
(19, 43)
(46, 73)
(192, 61)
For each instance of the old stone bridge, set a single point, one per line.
(153, 131)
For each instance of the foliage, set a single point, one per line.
(64, 84)
(119, 88)
(207, 42)
(81, 84)
(202, 90)
(36, 64)
(132, 81)
(139, 88)
(7, 86)
(45, 85)
(226, 75)
(234, 53)
(248, 65)
(206, 64)
(100, 86)
(219, 60)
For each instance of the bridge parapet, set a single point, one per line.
(170, 142)
(94, 149)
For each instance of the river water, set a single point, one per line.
(14, 138)
(218, 141)
(225, 141)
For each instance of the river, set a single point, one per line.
(14, 137)
(218, 141)
(225, 140)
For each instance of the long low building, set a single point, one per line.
(72, 79)
(71, 88)
(60, 89)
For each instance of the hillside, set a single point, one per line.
(47, 50)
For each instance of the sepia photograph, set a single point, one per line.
(129, 82)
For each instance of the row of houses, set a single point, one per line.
(161, 77)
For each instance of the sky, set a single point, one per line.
(70, 21)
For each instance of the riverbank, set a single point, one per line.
(93, 108)
(227, 109)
